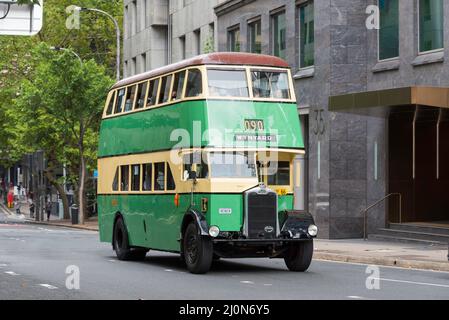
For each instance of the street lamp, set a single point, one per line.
(68, 50)
(117, 31)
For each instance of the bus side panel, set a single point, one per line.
(165, 219)
(153, 221)
(106, 217)
(226, 211)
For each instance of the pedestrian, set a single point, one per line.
(31, 205)
(48, 208)
(10, 198)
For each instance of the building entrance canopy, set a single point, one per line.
(381, 102)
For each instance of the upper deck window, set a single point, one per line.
(141, 92)
(270, 84)
(130, 95)
(111, 104)
(152, 92)
(119, 101)
(178, 85)
(164, 94)
(194, 86)
(228, 83)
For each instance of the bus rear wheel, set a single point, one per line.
(299, 256)
(121, 244)
(198, 250)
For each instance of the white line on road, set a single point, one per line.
(417, 283)
(3, 265)
(246, 282)
(168, 270)
(356, 297)
(48, 286)
(12, 273)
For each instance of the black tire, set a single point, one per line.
(198, 250)
(121, 244)
(299, 256)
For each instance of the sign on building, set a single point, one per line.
(20, 20)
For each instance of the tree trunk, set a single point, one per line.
(82, 178)
(52, 163)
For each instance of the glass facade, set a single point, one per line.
(430, 25)
(255, 37)
(279, 35)
(389, 29)
(234, 40)
(306, 35)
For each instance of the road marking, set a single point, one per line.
(3, 265)
(12, 273)
(267, 284)
(247, 282)
(356, 297)
(168, 270)
(48, 286)
(417, 283)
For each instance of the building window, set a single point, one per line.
(134, 17)
(133, 66)
(182, 44)
(306, 35)
(279, 33)
(389, 29)
(234, 40)
(143, 62)
(255, 37)
(430, 25)
(197, 36)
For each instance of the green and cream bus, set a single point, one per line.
(197, 158)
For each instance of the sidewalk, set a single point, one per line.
(90, 224)
(395, 254)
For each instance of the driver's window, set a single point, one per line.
(194, 161)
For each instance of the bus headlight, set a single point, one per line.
(312, 230)
(214, 231)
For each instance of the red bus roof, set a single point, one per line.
(217, 58)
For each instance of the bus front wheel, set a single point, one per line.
(299, 256)
(198, 250)
(121, 244)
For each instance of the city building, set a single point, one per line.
(159, 32)
(373, 98)
(372, 93)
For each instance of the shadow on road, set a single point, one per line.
(174, 262)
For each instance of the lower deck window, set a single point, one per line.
(146, 176)
(135, 178)
(159, 176)
(124, 184)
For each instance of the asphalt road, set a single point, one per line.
(34, 261)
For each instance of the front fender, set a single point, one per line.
(297, 224)
(200, 220)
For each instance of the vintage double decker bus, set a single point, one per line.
(197, 158)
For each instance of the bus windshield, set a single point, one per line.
(228, 83)
(232, 165)
(270, 84)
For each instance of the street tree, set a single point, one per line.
(59, 111)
